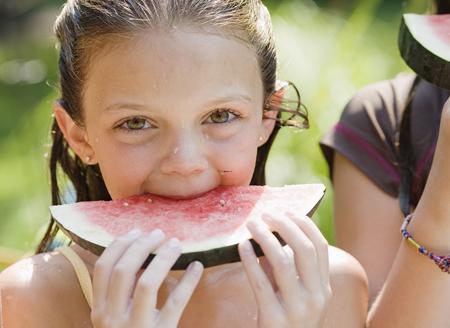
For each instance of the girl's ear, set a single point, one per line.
(267, 126)
(270, 116)
(75, 135)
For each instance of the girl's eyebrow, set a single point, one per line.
(214, 101)
(126, 105)
(229, 98)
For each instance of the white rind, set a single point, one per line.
(81, 226)
(422, 31)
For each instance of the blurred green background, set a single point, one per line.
(328, 48)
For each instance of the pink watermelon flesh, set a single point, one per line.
(213, 221)
(424, 42)
(440, 26)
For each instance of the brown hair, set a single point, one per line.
(442, 6)
(84, 26)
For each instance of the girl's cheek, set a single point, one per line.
(237, 162)
(125, 167)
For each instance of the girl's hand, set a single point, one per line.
(300, 272)
(120, 299)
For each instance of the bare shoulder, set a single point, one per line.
(344, 266)
(348, 306)
(38, 291)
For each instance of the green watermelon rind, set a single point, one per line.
(211, 257)
(431, 64)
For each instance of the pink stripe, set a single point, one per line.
(369, 149)
(426, 158)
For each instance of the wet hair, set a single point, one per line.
(442, 6)
(84, 27)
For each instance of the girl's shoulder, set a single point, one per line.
(349, 287)
(41, 290)
(344, 266)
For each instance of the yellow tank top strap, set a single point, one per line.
(80, 270)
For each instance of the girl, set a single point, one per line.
(174, 98)
(366, 152)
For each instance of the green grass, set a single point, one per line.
(328, 54)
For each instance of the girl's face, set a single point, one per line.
(174, 114)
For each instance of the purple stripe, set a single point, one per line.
(425, 159)
(369, 149)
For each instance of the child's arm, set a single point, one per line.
(416, 291)
(367, 221)
(120, 300)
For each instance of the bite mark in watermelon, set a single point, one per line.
(424, 43)
(209, 227)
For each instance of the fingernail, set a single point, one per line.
(256, 226)
(247, 246)
(194, 266)
(267, 218)
(157, 234)
(174, 243)
(252, 224)
(134, 233)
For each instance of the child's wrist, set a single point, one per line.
(437, 250)
(432, 229)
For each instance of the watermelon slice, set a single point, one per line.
(209, 227)
(424, 43)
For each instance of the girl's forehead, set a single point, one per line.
(184, 64)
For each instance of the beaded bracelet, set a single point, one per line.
(443, 262)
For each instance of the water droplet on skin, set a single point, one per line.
(175, 151)
(96, 140)
(149, 200)
(206, 136)
(125, 204)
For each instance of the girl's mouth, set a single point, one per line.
(184, 197)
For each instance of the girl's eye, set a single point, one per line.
(222, 116)
(135, 124)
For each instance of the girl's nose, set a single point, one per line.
(184, 158)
